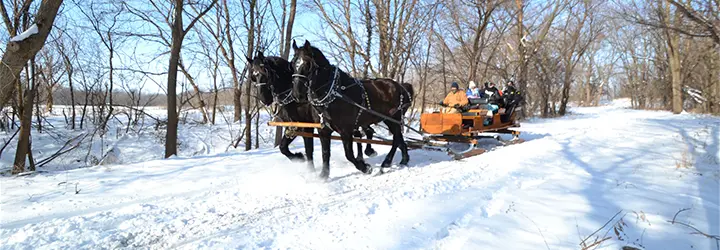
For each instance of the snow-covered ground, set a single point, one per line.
(136, 143)
(600, 172)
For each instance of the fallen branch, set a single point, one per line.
(8, 142)
(62, 150)
(597, 242)
(697, 231)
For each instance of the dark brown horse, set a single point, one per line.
(273, 77)
(338, 98)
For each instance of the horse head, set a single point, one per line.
(260, 77)
(306, 62)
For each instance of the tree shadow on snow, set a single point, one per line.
(706, 164)
(624, 167)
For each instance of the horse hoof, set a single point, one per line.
(297, 157)
(403, 164)
(368, 170)
(324, 176)
(385, 165)
(370, 152)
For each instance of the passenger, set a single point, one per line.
(510, 88)
(473, 91)
(494, 96)
(454, 100)
(494, 101)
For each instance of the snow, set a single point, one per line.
(27, 33)
(571, 177)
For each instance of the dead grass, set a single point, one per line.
(685, 162)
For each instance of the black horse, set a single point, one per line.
(338, 97)
(273, 77)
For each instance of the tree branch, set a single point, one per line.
(192, 23)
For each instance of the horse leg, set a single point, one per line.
(325, 144)
(359, 156)
(369, 151)
(397, 137)
(347, 140)
(403, 149)
(309, 149)
(284, 149)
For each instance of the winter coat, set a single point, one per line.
(458, 97)
(510, 90)
(494, 96)
(474, 93)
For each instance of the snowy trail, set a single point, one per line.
(564, 183)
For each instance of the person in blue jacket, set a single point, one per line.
(473, 91)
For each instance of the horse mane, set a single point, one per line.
(319, 57)
(278, 64)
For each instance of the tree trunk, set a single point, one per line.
(25, 128)
(215, 93)
(177, 36)
(69, 69)
(588, 82)
(18, 53)
(522, 76)
(368, 42)
(251, 51)
(286, 55)
(49, 101)
(229, 55)
(674, 58)
(37, 97)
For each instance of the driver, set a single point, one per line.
(454, 100)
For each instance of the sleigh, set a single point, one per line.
(462, 133)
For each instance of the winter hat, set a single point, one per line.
(472, 84)
(454, 85)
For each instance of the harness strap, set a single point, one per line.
(348, 100)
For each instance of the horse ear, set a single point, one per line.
(248, 59)
(306, 45)
(260, 55)
(295, 47)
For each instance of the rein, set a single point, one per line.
(282, 101)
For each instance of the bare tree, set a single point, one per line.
(286, 31)
(178, 34)
(21, 48)
(250, 26)
(576, 46)
(67, 62)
